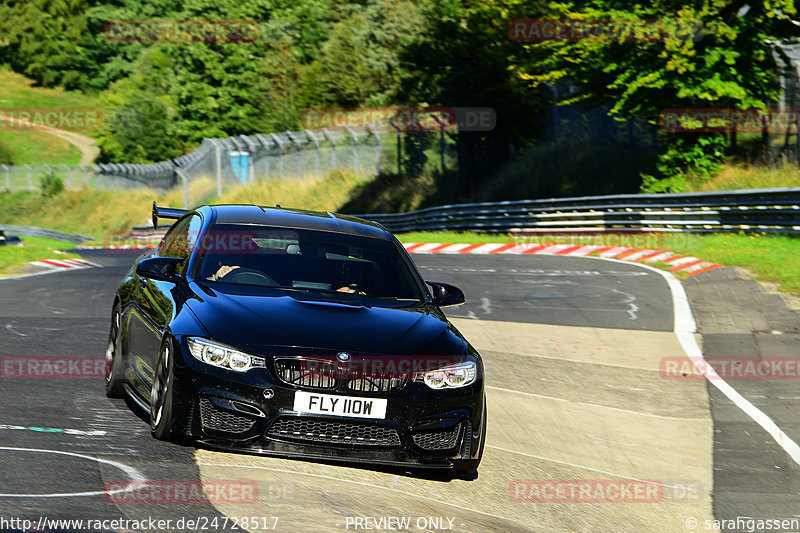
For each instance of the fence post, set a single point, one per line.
(316, 151)
(377, 134)
(96, 172)
(184, 186)
(399, 146)
(355, 149)
(8, 177)
(218, 152)
(85, 176)
(69, 176)
(280, 147)
(299, 166)
(332, 139)
(266, 143)
(441, 141)
(251, 163)
(30, 177)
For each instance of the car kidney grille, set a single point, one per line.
(376, 384)
(219, 420)
(438, 440)
(333, 432)
(306, 373)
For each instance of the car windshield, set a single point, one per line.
(323, 262)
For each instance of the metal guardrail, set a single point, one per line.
(31, 231)
(749, 210)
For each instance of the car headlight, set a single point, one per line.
(223, 356)
(450, 377)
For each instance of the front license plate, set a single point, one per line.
(329, 404)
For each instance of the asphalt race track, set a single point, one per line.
(575, 396)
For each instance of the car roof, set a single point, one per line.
(297, 219)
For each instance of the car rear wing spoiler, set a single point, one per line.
(166, 212)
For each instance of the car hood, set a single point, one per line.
(254, 322)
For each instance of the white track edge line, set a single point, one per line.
(685, 327)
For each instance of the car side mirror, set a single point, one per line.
(445, 294)
(159, 268)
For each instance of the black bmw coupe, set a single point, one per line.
(297, 334)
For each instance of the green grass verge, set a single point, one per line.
(13, 258)
(771, 257)
(35, 148)
(17, 91)
(107, 215)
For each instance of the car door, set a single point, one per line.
(156, 302)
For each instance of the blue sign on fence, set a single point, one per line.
(239, 164)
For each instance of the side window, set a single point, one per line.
(180, 241)
(173, 238)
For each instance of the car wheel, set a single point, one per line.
(470, 466)
(114, 366)
(163, 413)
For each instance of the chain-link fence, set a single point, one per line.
(30, 177)
(218, 164)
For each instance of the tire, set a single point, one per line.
(115, 368)
(163, 412)
(469, 467)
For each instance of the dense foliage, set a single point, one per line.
(455, 53)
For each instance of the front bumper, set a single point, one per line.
(423, 428)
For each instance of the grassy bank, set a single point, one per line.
(746, 176)
(771, 257)
(36, 147)
(12, 258)
(104, 215)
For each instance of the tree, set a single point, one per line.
(40, 36)
(713, 54)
